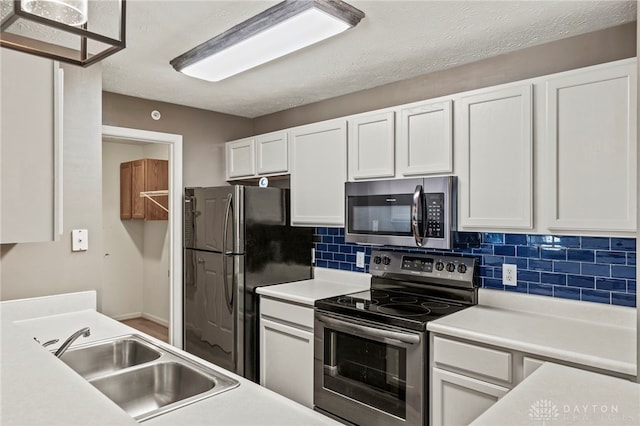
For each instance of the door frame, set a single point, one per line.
(174, 142)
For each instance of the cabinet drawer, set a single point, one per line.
(287, 311)
(486, 362)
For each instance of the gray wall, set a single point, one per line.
(570, 53)
(203, 132)
(40, 269)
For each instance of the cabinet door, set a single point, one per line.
(591, 124)
(425, 141)
(126, 197)
(458, 400)
(286, 361)
(495, 179)
(137, 186)
(241, 158)
(371, 146)
(318, 174)
(156, 178)
(29, 140)
(272, 153)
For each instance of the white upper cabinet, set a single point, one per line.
(591, 135)
(30, 148)
(425, 139)
(318, 173)
(261, 155)
(241, 158)
(494, 144)
(371, 146)
(272, 153)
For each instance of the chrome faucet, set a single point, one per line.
(85, 332)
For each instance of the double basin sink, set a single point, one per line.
(142, 378)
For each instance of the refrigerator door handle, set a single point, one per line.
(228, 300)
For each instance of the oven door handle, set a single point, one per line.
(387, 335)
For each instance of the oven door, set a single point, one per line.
(369, 374)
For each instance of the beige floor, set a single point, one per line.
(151, 328)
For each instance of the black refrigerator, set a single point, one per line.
(236, 238)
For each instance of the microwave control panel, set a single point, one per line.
(435, 212)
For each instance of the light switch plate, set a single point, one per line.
(360, 259)
(79, 240)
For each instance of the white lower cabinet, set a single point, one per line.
(458, 399)
(286, 349)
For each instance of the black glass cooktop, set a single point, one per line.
(390, 307)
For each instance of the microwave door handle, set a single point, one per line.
(415, 208)
(377, 333)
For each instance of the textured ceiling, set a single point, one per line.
(396, 40)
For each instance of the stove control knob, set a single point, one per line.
(439, 266)
(377, 260)
(386, 260)
(462, 268)
(451, 267)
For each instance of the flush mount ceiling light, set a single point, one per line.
(278, 31)
(79, 32)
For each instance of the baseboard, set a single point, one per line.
(155, 319)
(128, 316)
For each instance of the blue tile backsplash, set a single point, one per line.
(594, 269)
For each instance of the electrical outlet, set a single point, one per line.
(509, 274)
(360, 259)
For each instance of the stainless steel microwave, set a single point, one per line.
(404, 212)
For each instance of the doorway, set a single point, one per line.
(143, 260)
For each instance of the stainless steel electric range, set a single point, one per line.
(371, 358)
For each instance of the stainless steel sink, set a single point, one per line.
(144, 379)
(98, 360)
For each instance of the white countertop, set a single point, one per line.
(559, 395)
(603, 344)
(37, 388)
(327, 283)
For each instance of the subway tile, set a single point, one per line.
(551, 278)
(596, 296)
(540, 265)
(566, 267)
(617, 257)
(346, 266)
(599, 243)
(527, 251)
(500, 250)
(623, 271)
(541, 240)
(596, 269)
(489, 237)
(351, 258)
(321, 247)
(333, 248)
(520, 262)
(337, 239)
(553, 253)
(484, 249)
(515, 239)
(333, 231)
(611, 284)
(333, 265)
(340, 257)
(581, 255)
(327, 239)
(623, 299)
(567, 241)
(631, 258)
(631, 286)
(485, 271)
(624, 244)
(346, 249)
(322, 231)
(566, 292)
(493, 260)
(493, 283)
(322, 263)
(581, 281)
(521, 287)
(530, 276)
(541, 289)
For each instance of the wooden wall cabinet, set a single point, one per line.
(142, 176)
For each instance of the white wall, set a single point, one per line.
(123, 239)
(136, 262)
